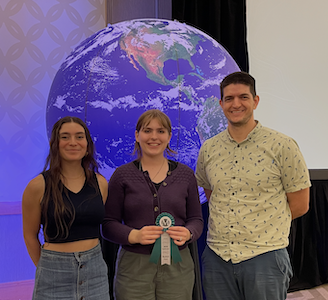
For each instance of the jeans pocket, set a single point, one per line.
(283, 262)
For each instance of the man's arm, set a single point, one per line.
(299, 202)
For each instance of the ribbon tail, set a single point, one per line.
(175, 253)
(155, 254)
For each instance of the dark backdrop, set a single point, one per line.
(308, 246)
(224, 20)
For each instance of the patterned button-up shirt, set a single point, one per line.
(248, 209)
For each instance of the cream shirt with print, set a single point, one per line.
(248, 209)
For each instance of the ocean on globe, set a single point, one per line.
(115, 75)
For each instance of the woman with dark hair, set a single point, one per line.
(142, 193)
(67, 201)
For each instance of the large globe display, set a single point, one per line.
(112, 77)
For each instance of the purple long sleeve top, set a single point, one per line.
(134, 202)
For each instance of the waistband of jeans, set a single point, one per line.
(72, 254)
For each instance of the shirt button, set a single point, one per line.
(238, 146)
(155, 195)
(231, 226)
(156, 208)
(81, 266)
(169, 173)
(233, 177)
(236, 161)
(231, 243)
(164, 183)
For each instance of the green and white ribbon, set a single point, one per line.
(164, 246)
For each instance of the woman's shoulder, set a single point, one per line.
(131, 166)
(35, 188)
(181, 167)
(37, 182)
(124, 171)
(103, 185)
(101, 179)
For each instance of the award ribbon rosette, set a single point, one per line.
(164, 246)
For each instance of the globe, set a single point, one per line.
(121, 71)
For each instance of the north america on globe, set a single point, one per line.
(115, 75)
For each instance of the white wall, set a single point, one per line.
(288, 48)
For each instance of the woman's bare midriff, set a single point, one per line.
(77, 246)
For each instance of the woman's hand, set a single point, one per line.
(147, 235)
(179, 234)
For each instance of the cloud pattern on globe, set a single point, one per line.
(115, 75)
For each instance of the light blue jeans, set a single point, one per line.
(264, 277)
(71, 276)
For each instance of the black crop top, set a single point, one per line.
(89, 214)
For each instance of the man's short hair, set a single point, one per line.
(238, 78)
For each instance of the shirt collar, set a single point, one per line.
(250, 136)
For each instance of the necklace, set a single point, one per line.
(159, 169)
(140, 168)
(73, 177)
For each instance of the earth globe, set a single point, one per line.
(121, 71)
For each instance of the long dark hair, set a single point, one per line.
(64, 214)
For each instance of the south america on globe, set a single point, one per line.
(115, 75)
